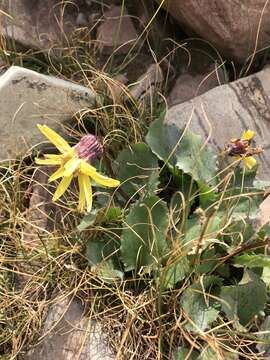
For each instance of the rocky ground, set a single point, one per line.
(61, 61)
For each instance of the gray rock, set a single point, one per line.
(231, 26)
(146, 86)
(116, 31)
(189, 85)
(67, 334)
(28, 98)
(41, 24)
(264, 212)
(227, 110)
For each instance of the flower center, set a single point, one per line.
(88, 148)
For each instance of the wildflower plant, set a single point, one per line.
(75, 162)
(178, 221)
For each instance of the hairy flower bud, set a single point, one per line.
(89, 148)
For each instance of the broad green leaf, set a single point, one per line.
(87, 221)
(242, 203)
(252, 260)
(185, 354)
(98, 250)
(102, 216)
(103, 257)
(183, 199)
(243, 178)
(207, 194)
(143, 240)
(194, 230)
(198, 305)
(107, 271)
(261, 184)
(266, 277)
(238, 232)
(243, 301)
(176, 272)
(184, 150)
(208, 260)
(137, 168)
(209, 354)
(264, 343)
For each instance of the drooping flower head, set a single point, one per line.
(241, 149)
(75, 162)
(89, 148)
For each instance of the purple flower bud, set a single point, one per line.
(89, 148)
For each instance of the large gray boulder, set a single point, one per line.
(40, 24)
(116, 32)
(229, 25)
(28, 98)
(227, 110)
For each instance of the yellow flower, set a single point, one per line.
(240, 149)
(74, 162)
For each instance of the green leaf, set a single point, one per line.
(261, 184)
(102, 216)
(184, 150)
(176, 272)
(208, 260)
(243, 301)
(137, 169)
(103, 258)
(194, 229)
(264, 337)
(252, 260)
(243, 178)
(143, 240)
(266, 277)
(207, 195)
(87, 221)
(242, 203)
(185, 354)
(107, 272)
(198, 305)
(209, 354)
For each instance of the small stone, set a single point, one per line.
(82, 20)
(226, 111)
(67, 334)
(147, 84)
(116, 32)
(189, 85)
(116, 88)
(28, 98)
(41, 208)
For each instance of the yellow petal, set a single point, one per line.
(71, 166)
(104, 180)
(53, 156)
(57, 174)
(87, 169)
(62, 187)
(54, 138)
(248, 135)
(85, 195)
(81, 205)
(250, 162)
(48, 161)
